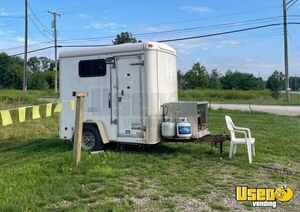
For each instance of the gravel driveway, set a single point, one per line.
(275, 109)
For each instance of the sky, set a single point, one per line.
(97, 22)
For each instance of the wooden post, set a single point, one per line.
(78, 126)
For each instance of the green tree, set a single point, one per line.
(50, 78)
(197, 77)
(46, 64)
(181, 80)
(125, 37)
(239, 80)
(11, 71)
(4, 68)
(34, 64)
(41, 73)
(276, 83)
(214, 79)
(37, 81)
(16, 76)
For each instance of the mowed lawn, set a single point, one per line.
(36, 171)
(261, 97)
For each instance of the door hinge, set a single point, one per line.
(110, 60)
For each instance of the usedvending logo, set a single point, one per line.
(264, 197)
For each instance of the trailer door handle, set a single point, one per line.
(122, 92)
(109, 100)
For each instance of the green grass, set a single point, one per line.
(15, 98)
(237, 96)
(36, 172)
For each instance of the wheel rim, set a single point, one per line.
(88, 140)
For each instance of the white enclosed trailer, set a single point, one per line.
(127, 85)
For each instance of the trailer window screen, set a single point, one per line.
(92, 68)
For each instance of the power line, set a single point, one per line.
(87, 45)
(226, 32)
(32, 51)
(211, 26)
(181, 30)
(18, 47)
(203, 19)
(194, 37)
(239, 23)
(99, 45)
(33, 13)
(220, 33)
(104, 45)
(169, 40)
(295, 1)
(36, 26)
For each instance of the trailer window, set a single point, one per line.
(92, 68)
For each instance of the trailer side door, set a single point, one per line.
(130, 96)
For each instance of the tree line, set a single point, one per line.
(199, 77)
(40, 72)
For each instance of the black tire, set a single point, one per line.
(91, 139)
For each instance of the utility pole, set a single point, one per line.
(286, 53)
(53, 26)
(25, 48)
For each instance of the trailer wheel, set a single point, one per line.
(91, 139)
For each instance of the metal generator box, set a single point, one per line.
(195, 112)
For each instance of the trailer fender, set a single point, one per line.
(101, 128)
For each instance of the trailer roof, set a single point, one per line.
(128, 47)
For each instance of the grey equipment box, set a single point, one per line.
(196, 113)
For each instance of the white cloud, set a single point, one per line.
(197, 9)
(30, 42)
(231, 42)
(2, 32)
(153, 29)
(226, 43)
(83, 16)
(19, 39)
(109, 25)
(3, 12)
(6, 32)
(185, 48)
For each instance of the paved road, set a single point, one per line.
(275, 109)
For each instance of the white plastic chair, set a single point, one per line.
(248, 140)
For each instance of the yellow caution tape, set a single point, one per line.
(72, 104)
(49, 110)
(6, 118)
(36, 112)
(22, 114)
(58, 108)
